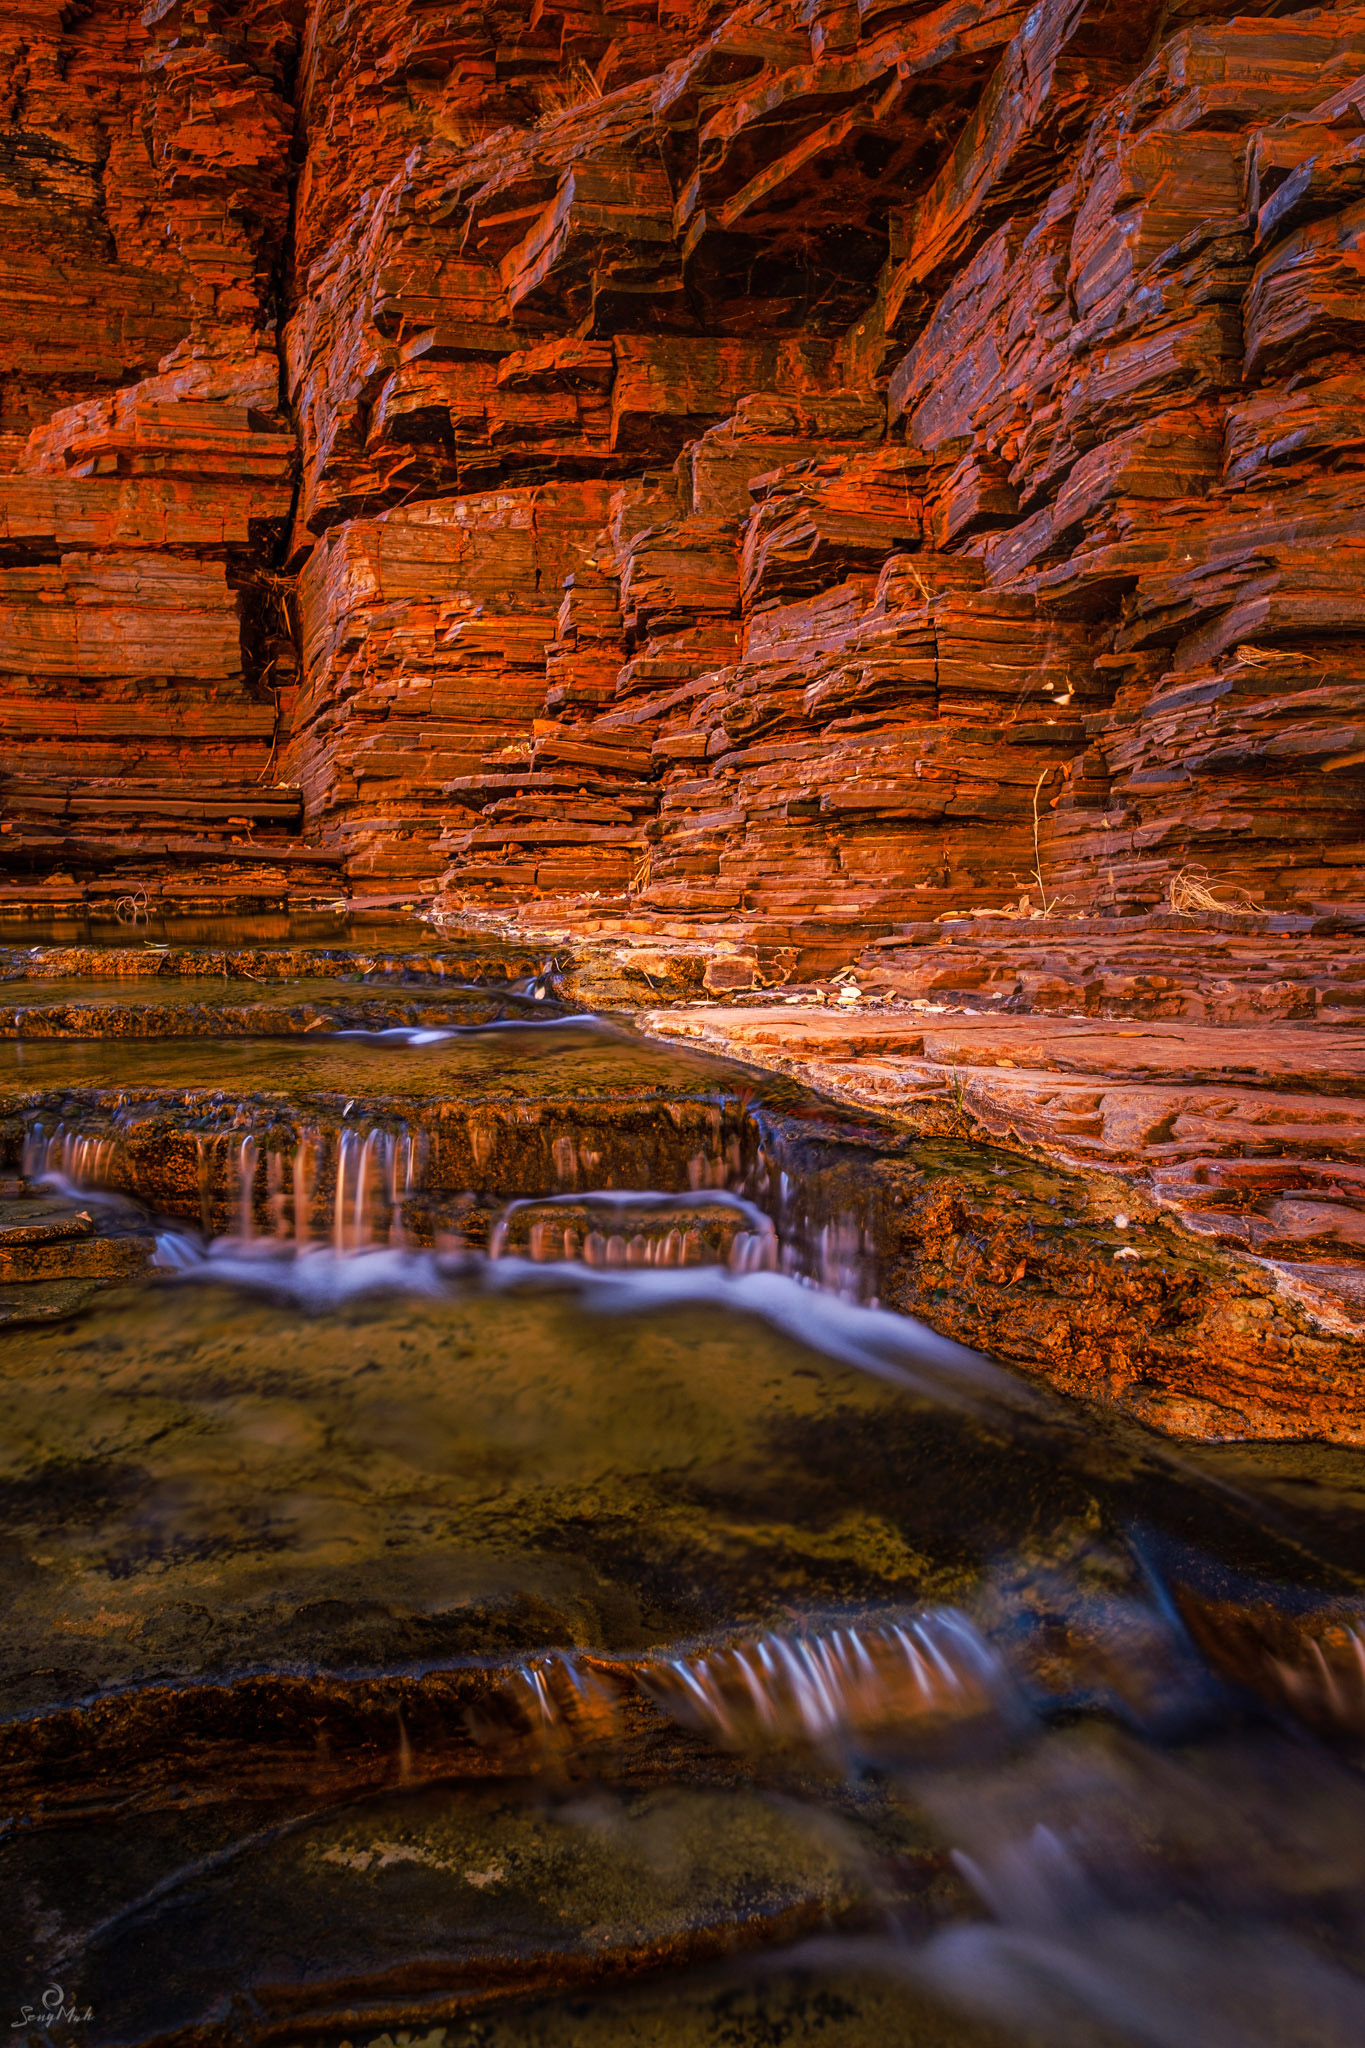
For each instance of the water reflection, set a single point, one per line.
(505, 1554)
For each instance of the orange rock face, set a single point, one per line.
(811, 466)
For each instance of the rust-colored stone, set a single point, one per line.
(743, 486)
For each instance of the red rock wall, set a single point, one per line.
(146, 651)
(815, 464)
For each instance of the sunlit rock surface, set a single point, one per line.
(822, 466)
(747, 490)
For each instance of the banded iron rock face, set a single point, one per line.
(809, 466)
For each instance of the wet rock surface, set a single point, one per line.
(1247, 1138)
(477, 1562)
(717, 499)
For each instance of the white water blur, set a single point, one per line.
(375, 1171)
(650, 1235)
(282, 1182)
(891, 1347)
(246, 1179)
(836, 1689)
(834, 1686)
(559, 1701)
(316, 1278)
(76, 1160)
(1324, 1689)
(432, 1034)
(1127, 1889)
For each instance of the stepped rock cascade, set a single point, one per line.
(509, 1522)
(720, 498)
(682, 1024)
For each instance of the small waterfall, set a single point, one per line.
(786, 1204)
(407, 1171)
(825, 1217)
(275, 1197)
(291, 1173)
(1311, 1663)
(832, 1690)
(608, 1228)
(347, 1145)
(564, 1152)
(553, 1704)
(1327, 1688)
(377, 1170)
(832, 1687)
(80, 1158)
(307, 1166)
(246, 1189)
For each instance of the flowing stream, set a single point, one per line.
(486, 1563)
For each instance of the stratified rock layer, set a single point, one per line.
(813, 465)
(755, 486)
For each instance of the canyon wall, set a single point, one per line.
(798, 469)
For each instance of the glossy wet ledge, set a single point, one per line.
(481, 1567)
(217, 1006)
(421, 1655)
(206, 1485)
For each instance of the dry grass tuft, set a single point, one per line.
(576, 88)
(1190, 893)
(1263, 657)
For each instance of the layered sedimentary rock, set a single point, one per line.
(147, 662)
(763, 486)
(812, 465)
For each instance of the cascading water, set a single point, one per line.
(81, 1159)
(835, 1686)
(607, 1228)
(377, 1172)
(825, 1219)
(372, 1173)
(594, 1574)
(348, 1189)
(833, 1690)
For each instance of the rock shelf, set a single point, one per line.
(794, 465)
(830, 538)
(1252, 1139)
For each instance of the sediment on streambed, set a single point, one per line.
(485, 1534)
(551, 1632)
(1004, 1255)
